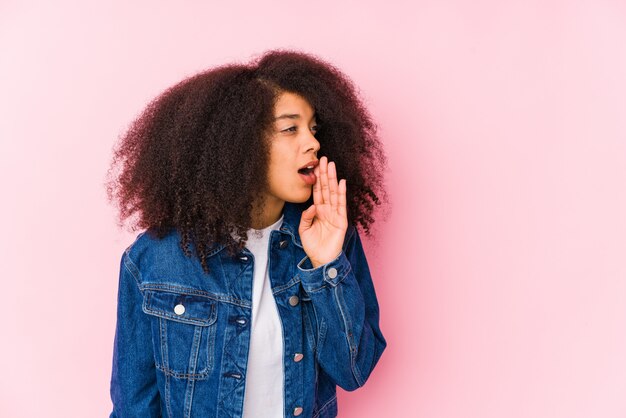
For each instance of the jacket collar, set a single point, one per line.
(292, 213)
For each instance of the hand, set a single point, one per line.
(323, 225)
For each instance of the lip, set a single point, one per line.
(313, 163)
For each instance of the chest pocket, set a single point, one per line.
(183, 332)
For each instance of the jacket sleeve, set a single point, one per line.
(134, 389)
(349, 340)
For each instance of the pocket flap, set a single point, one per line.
(190, 309)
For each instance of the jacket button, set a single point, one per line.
(283, 244)
(297, 357)
(179, 309)
(297, 410)
(332, 272)
(293, 301)
(243, 258)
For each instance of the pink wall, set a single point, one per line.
(501, 272)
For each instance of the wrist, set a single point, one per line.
(331, 272)
(316, 263)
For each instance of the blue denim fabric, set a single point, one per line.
(193, 363)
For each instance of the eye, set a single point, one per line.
(316, 128)
(290, 129)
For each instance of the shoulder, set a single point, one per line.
(159, 258)
(149, 251)
(148, 243)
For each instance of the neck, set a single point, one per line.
(272, 212)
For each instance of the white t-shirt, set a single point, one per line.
(264, 378)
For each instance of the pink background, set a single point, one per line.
(501, 271)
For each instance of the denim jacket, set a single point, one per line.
(182, 335)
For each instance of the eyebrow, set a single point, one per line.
(292, 116)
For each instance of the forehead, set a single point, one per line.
(292, 106)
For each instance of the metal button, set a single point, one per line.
(241, 321)
(293, 301)
(243, 258)
(332, 272)
(297, 357)
(283, 244)
(297, 410)
(179, 309)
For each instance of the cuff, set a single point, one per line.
(332, 272)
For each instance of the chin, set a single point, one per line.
(300, 198)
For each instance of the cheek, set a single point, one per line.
(282, 174)
(279, 162)
(279, 172)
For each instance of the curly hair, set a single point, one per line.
(196, 158)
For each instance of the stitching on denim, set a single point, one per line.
(348, 330)
(197, 292)
(323, 266)
(320, 332)
(196, 344)
(322, 335)
(180, 375)
(308, 326)
(215, 250)
(189, 397)
(132, 268)
(158, 343)
(155, 342)
(348, 269)
(168, 390)
(294, 281)
(317, 289)
(164, 349)
(328, 402)
(279, 289)
(195, 348)
(286, 230)
(282, 325)
(210, 346)
(195, 321)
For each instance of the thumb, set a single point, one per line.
(307, 218)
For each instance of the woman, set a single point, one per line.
(248, 293)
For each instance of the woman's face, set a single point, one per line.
(293, 146)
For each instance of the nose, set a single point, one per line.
(312, 144)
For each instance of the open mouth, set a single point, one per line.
(308, 175)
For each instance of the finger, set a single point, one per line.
(342, 209)
(306, 219)
(324, 180)
(332, 184)
(317, 187)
